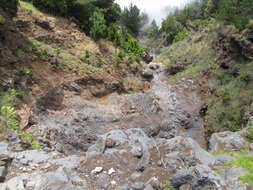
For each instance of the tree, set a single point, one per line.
(103, 4)
(154, 30)
(131, 19)
(113, 14)
(59, 7)
(238, 12)
(10, 6)
(144, 19)
(171, 27)
(98, 28)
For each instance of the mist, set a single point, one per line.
(156, 9)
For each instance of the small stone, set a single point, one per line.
(2, 163)
(159, 163)
(154, 182)
(135, 176)
(137, 151)
(113, 182)
(110, 143)
(103, 181)
(97, 170)
(138, 186)
(111, 171)
(3, 173)
(149, 187)
(147, 74)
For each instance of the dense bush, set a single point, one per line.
(98, 28)
(60, 7)
(11, 6)
(171, 27)
(236, 12)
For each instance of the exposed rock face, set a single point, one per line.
(233, 45)
(227, 141)
(52, 100)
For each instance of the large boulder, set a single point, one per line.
(226, 142)
(183, 152)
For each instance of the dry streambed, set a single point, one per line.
(121, 141)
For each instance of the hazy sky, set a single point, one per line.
(155, 8)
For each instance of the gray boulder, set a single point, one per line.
(226, 141)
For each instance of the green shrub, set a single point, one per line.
(249, 132)
(7, 111)
(59, 7)
(180, 36)
(245, 77)
(98, 28)
(87, 57)
(171, 27)
(119, 56)
(133, 46)
(235, 12)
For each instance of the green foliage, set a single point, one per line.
(236, 12)
(10, 6)
(132, 46)
(59, 7)
(103, 4)
(171, 27)
(7, 111)
(57, 51)
(180, 36)
(249, 132)
(98, 25)
(7, 117)
(119, 56)
(131, 19)
(113, 14)
(154, 30)
(169, 186)
(246, 162)
(87, 57)
(36, 145)
(27, 71)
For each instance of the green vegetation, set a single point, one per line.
(10, 6)
(245, 162)
(169, 186)
(249, 133)
(229, 91)
(131, 18)
(98, 25)
(8, 119)
(7, 110)
(98, 19)
(238, 13)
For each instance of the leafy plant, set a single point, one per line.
(27, 71)
(98, 27)
(180, 36)
(7, 118)
(249, 132)
(57, 51)
(169, 186)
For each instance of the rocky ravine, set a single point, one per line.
(126, 142)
